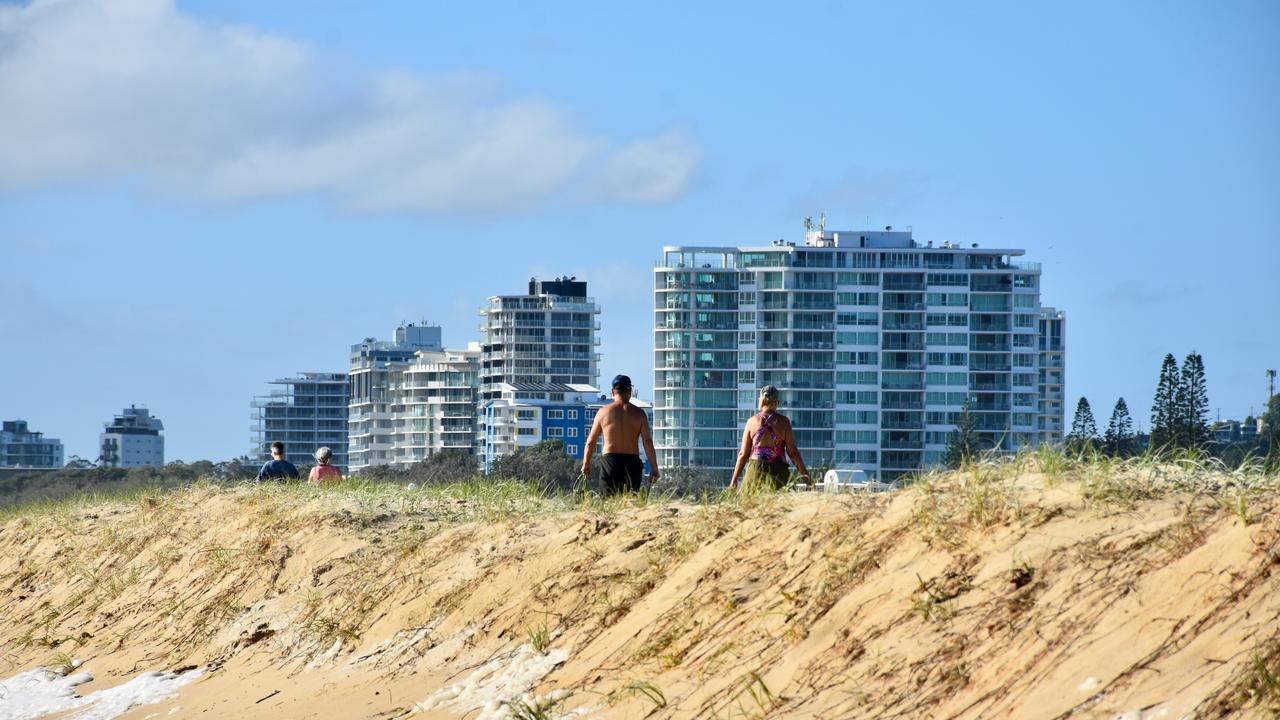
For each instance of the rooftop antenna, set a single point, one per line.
(1271, 384)
(822, 222)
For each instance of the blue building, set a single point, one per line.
(525, 414)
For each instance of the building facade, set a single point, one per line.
(1053, 370)
(373, 364)
(305, 413)
(546, 336)
(22, 447)
(432, 405)
(528, 413)
(132, 439)
(876, 342)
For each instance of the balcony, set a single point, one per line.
(812, 325)
(908, 345)
(903, 306)
(917, 323)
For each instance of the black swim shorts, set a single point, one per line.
(621, 472)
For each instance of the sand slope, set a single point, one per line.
(980, 595)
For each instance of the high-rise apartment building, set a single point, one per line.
(132, 439)
(1053, 368)
(304, 412)
(543, 339)
(22, 447)
(546, 336)
(876, 342)
(432, 401)
(373, 363)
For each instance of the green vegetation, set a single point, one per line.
(1084, 430)
(1118, 439)
(962, 443)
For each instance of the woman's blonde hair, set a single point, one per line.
(768, 396)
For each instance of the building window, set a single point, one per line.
(573, 414)
(524, 431)
(555, 432)
(555, 414)
(571, 450)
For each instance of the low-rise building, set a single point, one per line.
(25, 448)
(525, 414)
(132, 439)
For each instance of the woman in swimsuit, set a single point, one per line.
(766, 443)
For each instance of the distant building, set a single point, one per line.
(1225, 432)
(25, 448)
(875, 340)
(1053, 354)
(305, 412)
(132, 439)
(528, 413)
(373, 364)
(546, 336)
(431, 401)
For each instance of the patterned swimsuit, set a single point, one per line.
(767, 467)
(772, 454)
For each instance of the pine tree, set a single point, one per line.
(1084, 430)
(1193, 405)
(1270, 437)
(1163, 409)
(1119, 436)
(962, 443)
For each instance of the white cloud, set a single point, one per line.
(95, 89)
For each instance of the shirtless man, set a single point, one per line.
(623, 425)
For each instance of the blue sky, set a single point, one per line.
(195, 199)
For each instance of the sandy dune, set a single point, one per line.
(984, 595)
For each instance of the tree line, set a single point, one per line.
(1179, 421)
(1179, 424)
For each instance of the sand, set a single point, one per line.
(995, 597)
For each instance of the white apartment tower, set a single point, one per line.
(875, 341)
(546, 336)
(432, 401)
(132, 439)
(370, 424)
(1053, 368)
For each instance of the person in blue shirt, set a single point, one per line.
(277, 468)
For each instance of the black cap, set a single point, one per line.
(621, 382)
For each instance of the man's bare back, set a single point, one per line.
(621, 424)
